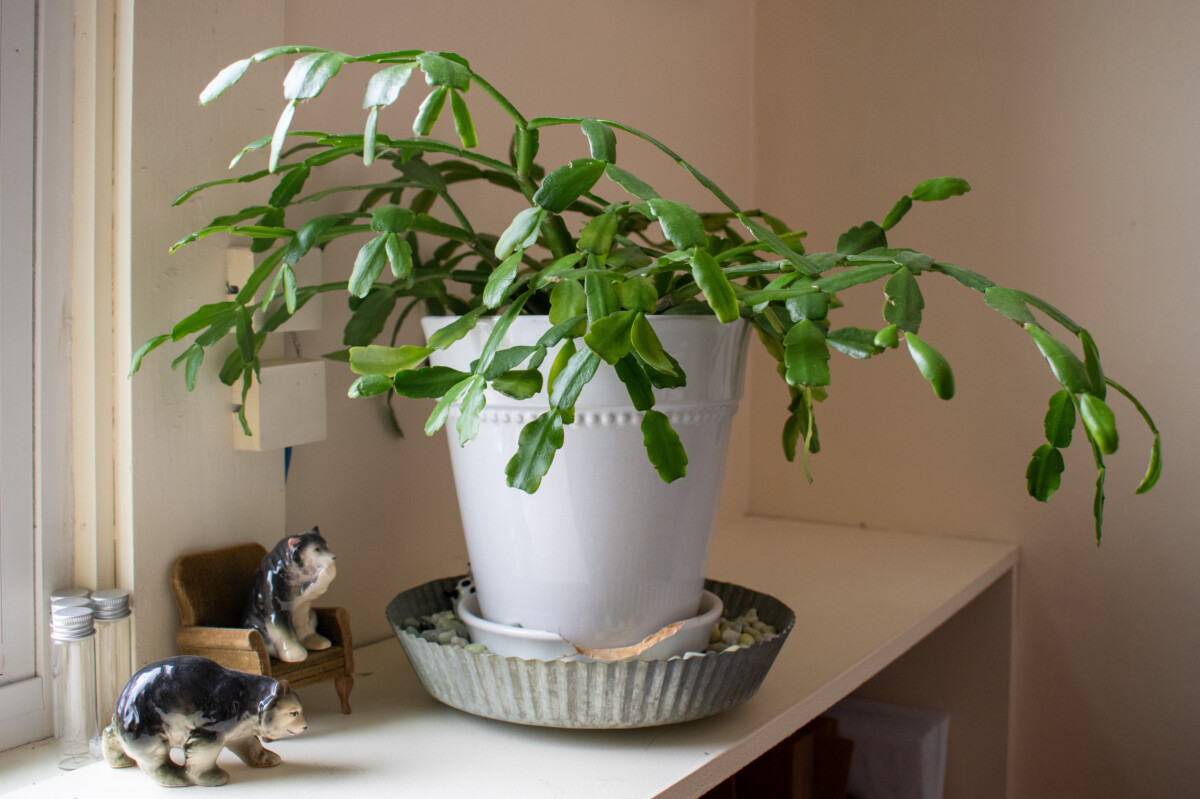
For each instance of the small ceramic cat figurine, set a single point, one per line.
(462, 589)
(293, 574)
(194, 704)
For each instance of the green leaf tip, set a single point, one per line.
(1043, 476)
(663, 447)
(224, 79)
(806, 355)
(310, 72)
(536, 446)
(937, 189)
(1099, 422)
(601, 139)
(933, 366)
(379, 360)
(1060, 419)
(564, 185)
(445, 69)
(1066, 366)
(1154, 469)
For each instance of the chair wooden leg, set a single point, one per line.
(344, 685)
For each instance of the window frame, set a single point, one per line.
(37, 413)
(19, 691)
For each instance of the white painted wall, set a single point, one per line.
(188, 489)
(1076, 123)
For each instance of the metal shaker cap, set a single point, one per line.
(112, 603)
(71, 623)
(70, 602)
(62, 593)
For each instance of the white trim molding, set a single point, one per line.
(27, 703)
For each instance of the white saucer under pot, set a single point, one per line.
(522, 642)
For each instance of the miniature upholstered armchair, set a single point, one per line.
(211, 589)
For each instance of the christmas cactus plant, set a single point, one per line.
(598, 250)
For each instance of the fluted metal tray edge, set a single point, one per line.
(590, 695)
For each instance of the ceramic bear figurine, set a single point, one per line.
(194, 704)
(293, 574)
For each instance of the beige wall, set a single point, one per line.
(1074, 121)
(188, 489)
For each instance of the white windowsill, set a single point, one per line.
(862, 599)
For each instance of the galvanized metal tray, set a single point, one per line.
(590, 695)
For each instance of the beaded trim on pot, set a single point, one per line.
(709, 415)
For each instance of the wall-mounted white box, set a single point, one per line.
(285, 409)
(240, 263)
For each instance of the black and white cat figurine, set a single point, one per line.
(194, 704)
(293, 574)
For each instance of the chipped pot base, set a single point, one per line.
(590, 695)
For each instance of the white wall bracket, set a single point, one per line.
(285, 409)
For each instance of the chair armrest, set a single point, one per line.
(232, 647)
(334, 624)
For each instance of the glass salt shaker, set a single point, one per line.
(114, 656)
(73, 666)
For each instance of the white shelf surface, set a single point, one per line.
(862, 598)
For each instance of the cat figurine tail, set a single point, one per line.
(291, 576)
(194, 704)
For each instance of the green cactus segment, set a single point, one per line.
(536, 447)
(1044, 474)
(933, 366)
(663, 446)
(806, 355)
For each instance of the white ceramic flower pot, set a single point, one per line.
(604, 553)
